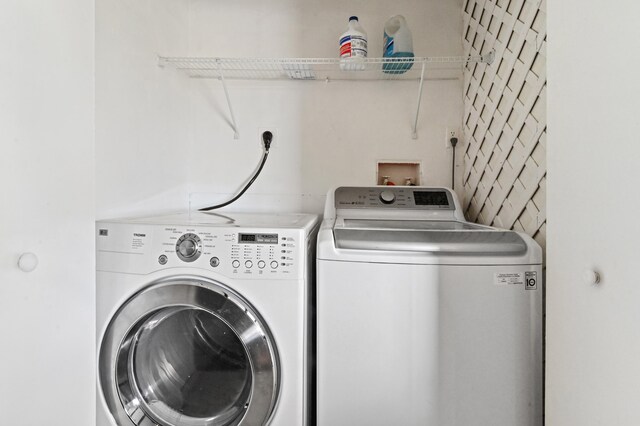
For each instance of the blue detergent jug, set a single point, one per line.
(398, 46)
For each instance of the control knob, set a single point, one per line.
(188, 247)
(387, 197)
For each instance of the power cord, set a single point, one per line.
(267, 137)
(454, 142)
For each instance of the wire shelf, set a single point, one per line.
(316, 68)
(323, 69)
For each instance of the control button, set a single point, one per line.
(162, 259)
(214, 261)
(387, 197)
(248, 264)
(274, 264)
(261, 264)
(235, 263)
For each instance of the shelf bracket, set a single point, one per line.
(234, 124)
(414, 134)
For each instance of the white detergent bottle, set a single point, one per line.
(353, 46)
(398, 46)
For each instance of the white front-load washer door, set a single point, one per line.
(188, 351)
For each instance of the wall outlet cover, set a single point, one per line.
(451, 132)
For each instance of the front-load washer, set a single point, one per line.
(424, 319)
(203, 320)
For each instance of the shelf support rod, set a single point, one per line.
(236, 135)
(415, 122)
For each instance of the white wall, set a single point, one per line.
(142, 114)
(593, 342)
(47, 174)
(173, 144)
(328, 134)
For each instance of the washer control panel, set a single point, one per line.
(232, 252)
(390, 197)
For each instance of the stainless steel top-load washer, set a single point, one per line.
(423, 318)
(203, 320)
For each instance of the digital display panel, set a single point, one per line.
(247, 238)
(258, 238)
(431, 198)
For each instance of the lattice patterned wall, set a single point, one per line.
(505, 115)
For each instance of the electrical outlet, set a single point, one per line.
(274, 132)
(451, 132)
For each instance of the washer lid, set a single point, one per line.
(437, 237)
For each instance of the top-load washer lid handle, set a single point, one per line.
(457, 242)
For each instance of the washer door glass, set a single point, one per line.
(184, 353)
(188, 362)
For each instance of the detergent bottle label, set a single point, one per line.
(353, 46)
(388, 46)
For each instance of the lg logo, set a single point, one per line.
(531, 280)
